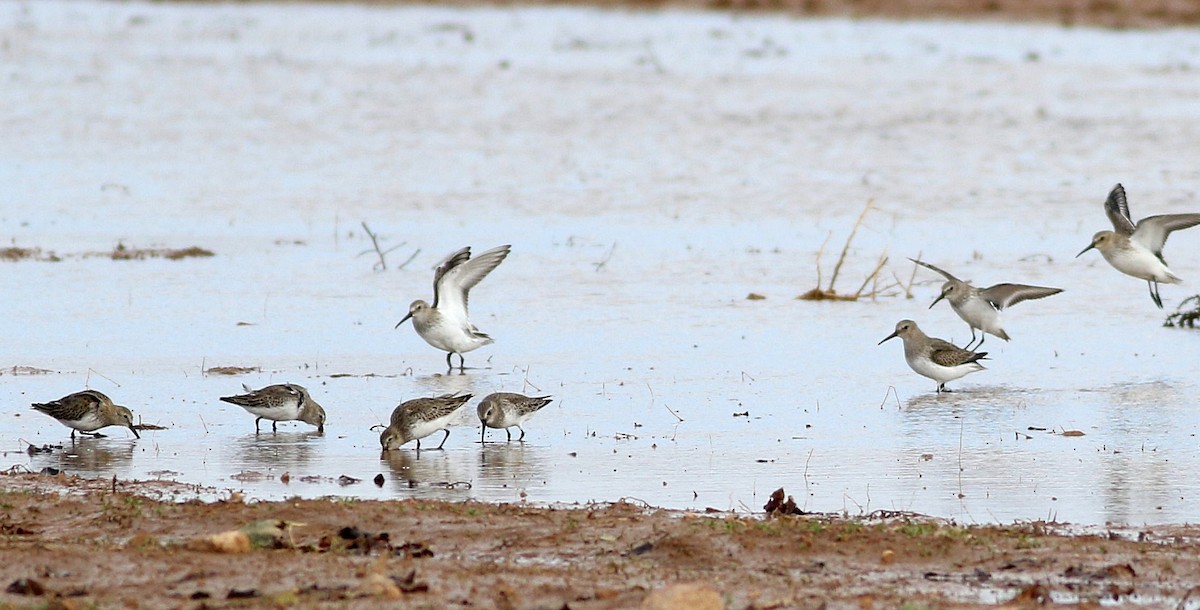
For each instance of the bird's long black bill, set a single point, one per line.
(135, 432)
(935, 301)
(1090, 246)
(891, 336)
(402, 321)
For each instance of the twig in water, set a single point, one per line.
(409, 259)
(526, 382)
(846, 248)
(600, 265)
(820, 253)
(382, 264)
(961, 424)
(807, 493)
(672, 412)
(87, 379)
(891, 390)
(830, 293)
(883, 259)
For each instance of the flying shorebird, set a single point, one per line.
(980, 307)
(417, 418)
(87, 411)
(280, 402)
(1136, 250)
(934, 358)
(507, 409)
(445, 324)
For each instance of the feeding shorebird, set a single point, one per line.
(281, 402)
(1136, 250)
(88, 411)
(980, 307)
(507, 409)
(445, 324)
(415, 419)
(934, 358)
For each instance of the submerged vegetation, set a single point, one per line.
(830, 293)
(1185, 317)
(120, 252)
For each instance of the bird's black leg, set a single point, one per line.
(418, 446)
(508, 431)
(256, 424)
(273, 429)
(941, 388)
(522, 439)
(1154, 293)
(449, 363)
(462, 362)
(982, 336)
(72, 433)
(447, 431)
(972, 341)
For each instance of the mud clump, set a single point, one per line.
(310, 553)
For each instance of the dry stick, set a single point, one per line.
(672, 412)
(410, 259)
(375, 244)
(600, 265)
(821, 251)
(879, 265)
(527, 382)
(846, 248)
(912, 278)
(99, 374)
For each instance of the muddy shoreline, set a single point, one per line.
(73, 543)
(1103, 13)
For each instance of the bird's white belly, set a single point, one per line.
(1140, 263)
(939, 373)
(277, 413)
(421, 429)
(450, 338)
(88, 423)
(980, 314)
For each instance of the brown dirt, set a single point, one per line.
(69, 542)
(1105, 13)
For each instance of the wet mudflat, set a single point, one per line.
(651, 170)
(105, 548)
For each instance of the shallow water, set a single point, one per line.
(651, 170)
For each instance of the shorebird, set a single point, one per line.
(445, 324)
(980, 307)
(934, 358)
(280, 402)
(505, 410)
(1136, 250)
(415, 419)
(88, 411)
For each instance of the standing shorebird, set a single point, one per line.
(505, 410)
(445, 324)
(1136, 250)
(281, 402)
(415, 419)
(980, 307)
(934, 358)
(88, 411)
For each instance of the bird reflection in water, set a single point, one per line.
(286, 450)
(88, 457)
(511, 465)
(439, 475)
